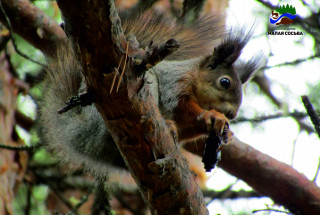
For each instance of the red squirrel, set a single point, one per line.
(198, 87)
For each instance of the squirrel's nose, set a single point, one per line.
(231, 114)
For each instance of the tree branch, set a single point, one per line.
(267, 176)
(19, 148)
(317, 172)
(269, 210)
(293, 63)
(131, 115)
(8, 24)
(297, 115)
(312, 113)
(230, 194)
(23, 120)
(32, 24)
(265, 86)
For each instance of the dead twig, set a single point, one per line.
(155, 55)
(115, 75)
(312, 113)
(270, 209)
(295, 114)
(20, 148)
(82, 100)
(317, 173)
(8, 23)
(124, 67)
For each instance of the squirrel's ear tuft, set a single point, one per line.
(247, 69)
(229, 50)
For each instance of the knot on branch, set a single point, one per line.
(164, 165)
(156, 54)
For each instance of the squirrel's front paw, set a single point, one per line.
(215, 122)
(227, 135)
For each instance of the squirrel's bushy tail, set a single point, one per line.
(75, 135)
(196, 39)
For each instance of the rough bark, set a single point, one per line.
(131, 115)
(12, 163)
(123, 113)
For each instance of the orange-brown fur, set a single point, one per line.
(186, 85)
(197, 39)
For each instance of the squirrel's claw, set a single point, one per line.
(216, 122)
(227, 135)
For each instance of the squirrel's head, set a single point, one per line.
(222, 75)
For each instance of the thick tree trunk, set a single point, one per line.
(136, 125)
(12, 163)
(131, 115)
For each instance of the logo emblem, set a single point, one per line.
(284, 15)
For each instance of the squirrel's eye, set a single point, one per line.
(225, 83)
